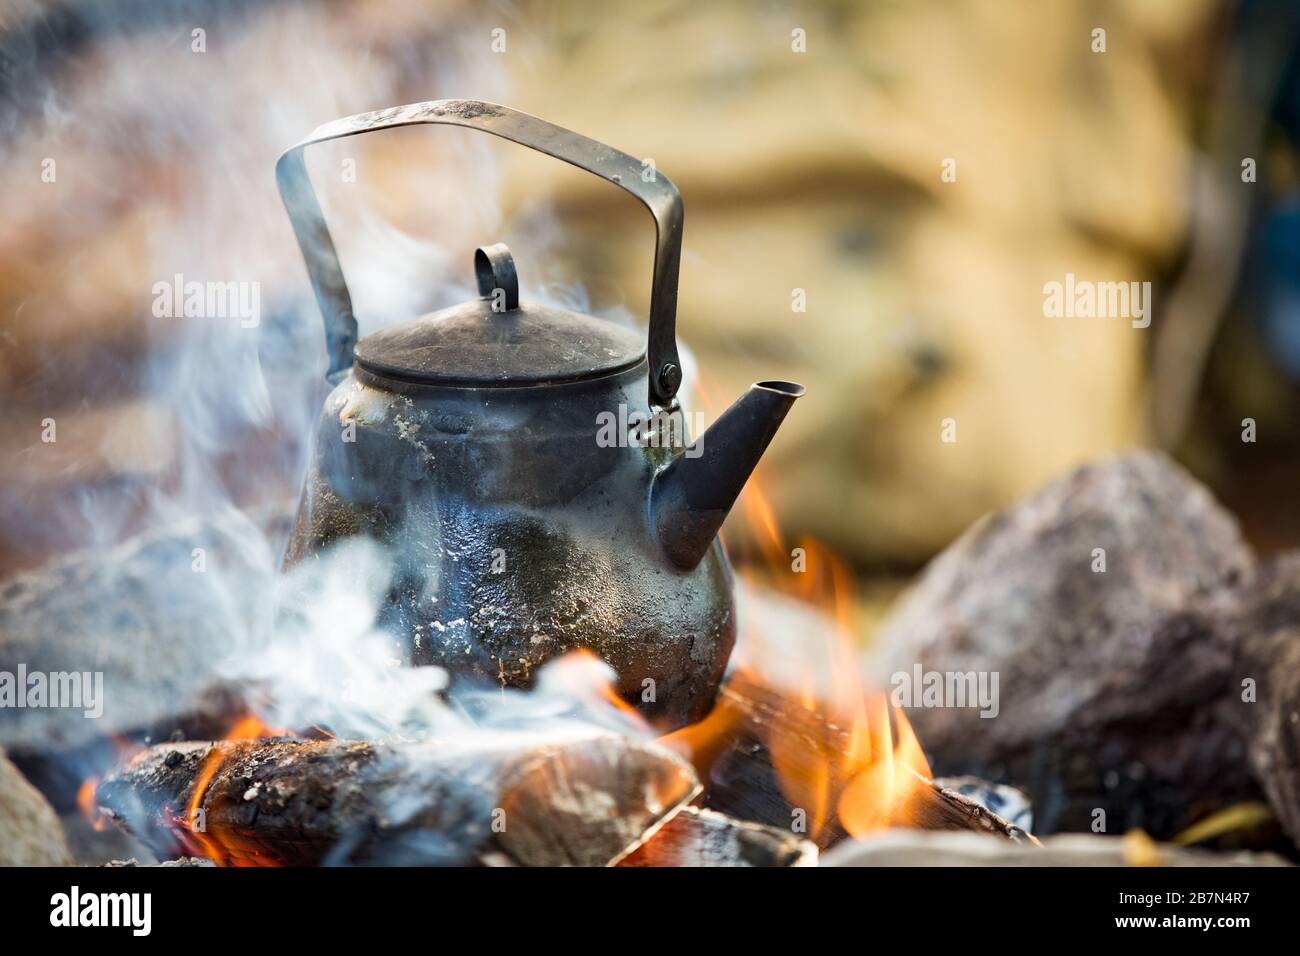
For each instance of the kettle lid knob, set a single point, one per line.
(498, 281)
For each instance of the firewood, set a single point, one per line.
(696, 837)
(584, 801)
(937, 808)
(741, 780)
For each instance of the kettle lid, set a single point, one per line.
(499, 341)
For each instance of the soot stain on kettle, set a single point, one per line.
(497, 624)
(449, 486)
(536, 602)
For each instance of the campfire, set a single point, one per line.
(311, 743)
(323, 748)
(784, 775)
(779, 769)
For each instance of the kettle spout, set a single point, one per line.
(692, 496)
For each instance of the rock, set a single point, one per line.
(1111, 684)
(30, 834)
(942, 848)
(99, 843)
(1265, 631)
(144, 617)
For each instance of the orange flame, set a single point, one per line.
(704, 742)
(87, 805)
(582, 674)
(841, 753)
(222, 848)
(87, 802)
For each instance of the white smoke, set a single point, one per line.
(324, 663)
(166, 156)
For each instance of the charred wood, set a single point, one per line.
(696, 837)
(741, 779)
(586, 801)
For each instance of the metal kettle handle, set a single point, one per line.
(657, 193)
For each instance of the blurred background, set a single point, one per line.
(911, 173)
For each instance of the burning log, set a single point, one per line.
(938, 808)
(696, 837)
(586, 801)
(759, 728)
(1006, 801)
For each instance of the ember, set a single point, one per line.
(212, 842)
(87, 805)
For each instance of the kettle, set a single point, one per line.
(536, 497)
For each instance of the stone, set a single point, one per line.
(141, 615)
(1097, 602)
(30, 834)
(1264, 692)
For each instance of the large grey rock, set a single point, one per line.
(154, 616)
(30, 834)
(1264, 700)
(1112, 684)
